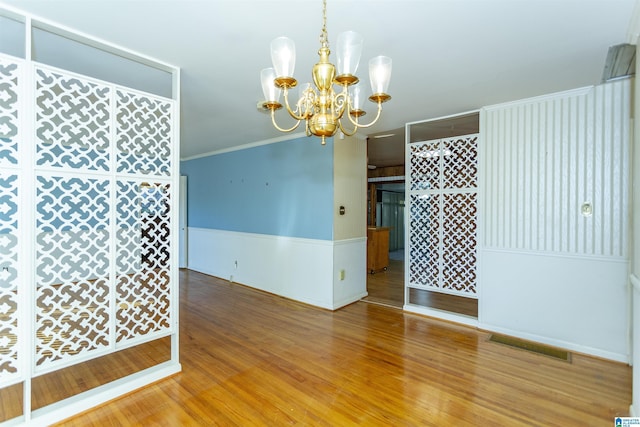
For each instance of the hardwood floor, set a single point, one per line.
(251, 358)
(387, 288)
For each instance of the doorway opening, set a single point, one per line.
(385, 244)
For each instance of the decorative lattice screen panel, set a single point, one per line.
(88, 212)
(103, 170)
(10, 222)
(442, 184)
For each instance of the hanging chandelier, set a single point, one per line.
(321, 107)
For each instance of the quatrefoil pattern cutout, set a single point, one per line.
(143, 284)
(72, 252)
(144, 134)
(95, 198)
(443, 215)
(9, 315)
(9, 115)
(72, 122)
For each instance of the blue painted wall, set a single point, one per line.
(283, 189)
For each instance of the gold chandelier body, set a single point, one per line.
(322, 109)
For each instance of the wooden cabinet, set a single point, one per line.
(377, 249)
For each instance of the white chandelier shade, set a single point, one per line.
(380, 74)
(349, 50)
(357, 99)
(269, 90)
(283, 56)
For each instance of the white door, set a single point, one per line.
(182, 218)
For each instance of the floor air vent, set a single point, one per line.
(531, 346)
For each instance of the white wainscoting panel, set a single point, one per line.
(350, 257)
(580, 304)
(295, 268)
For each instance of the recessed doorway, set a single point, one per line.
(385, 278)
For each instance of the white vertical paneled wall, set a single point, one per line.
(545, 159)
(555, 207)
(635, 263)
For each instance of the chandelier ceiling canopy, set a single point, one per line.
(320, 106)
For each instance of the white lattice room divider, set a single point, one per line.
(88, 221)
(442, 185)
(11, 318)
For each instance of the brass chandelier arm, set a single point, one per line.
(273, 120)
(292, 113)
(359, 125)
(346, 132)
(341, 102)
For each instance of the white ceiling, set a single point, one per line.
(449, 56)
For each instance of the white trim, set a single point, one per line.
(12, 13)
(441, 291)
(548, 97)
(349, 241)
(287, 137)
(78, 36)
(386, 178)
(556, 343)
(265, 236)
(450, 116)
(89, 399)
(614, 259)
(346, 301)
(441, 315)
(635, 282)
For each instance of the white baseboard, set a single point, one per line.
(442, 315)
(347, 301)
(89, 399)
(557, 343)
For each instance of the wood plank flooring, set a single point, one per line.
(251, 358)
(387, 288)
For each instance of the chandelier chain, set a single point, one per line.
(324, 39)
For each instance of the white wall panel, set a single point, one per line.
(548, 272)
(568, 302)
(349, 188)
(350, 258)
(299, 269)
(548, 156)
